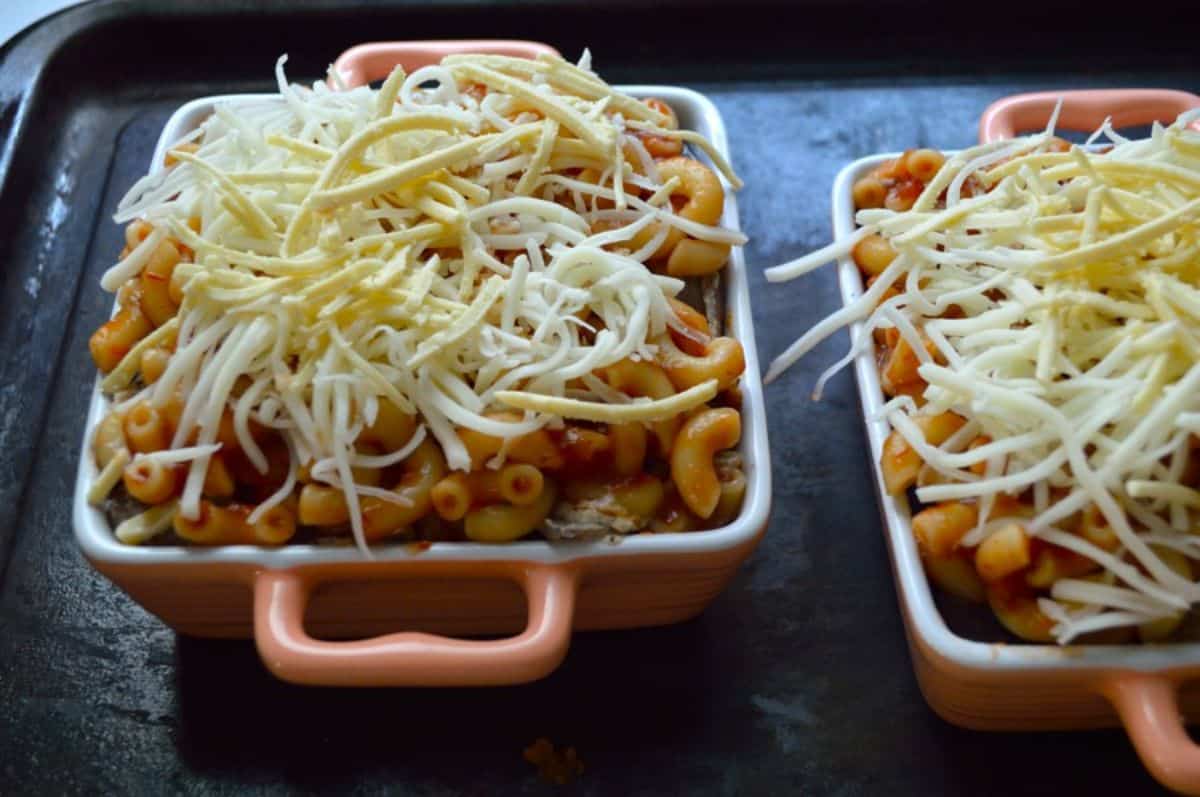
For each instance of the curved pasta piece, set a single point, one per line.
(723, 360)
(155, 298)
(535, 448)
(703, 200)
(1005, 552)
(692, 258)
(229, 525)
(149, 481)
(146, 428)
(393, 427)
(661, 146)
(1015, 606)
(733, 495)
(454, 495)
(955, 573)
(939, 528)
(692, 467)
(900, 463)
(628, 444)
(112, 341)
(508, 522)
(649, 380)
(109, 439)
(326, 506)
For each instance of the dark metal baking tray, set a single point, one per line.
(797, 680)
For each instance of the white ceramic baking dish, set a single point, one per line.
(297, 599)
(1019, 686)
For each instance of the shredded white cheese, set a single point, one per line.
(147, 525)
(1076, 351)
(108, 478)
(405, 244)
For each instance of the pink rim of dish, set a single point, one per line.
(1083, 110)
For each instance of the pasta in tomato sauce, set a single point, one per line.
(1033, 307)
(449, 308)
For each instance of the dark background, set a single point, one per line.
(796, 680)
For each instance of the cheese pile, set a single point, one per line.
(1077, 350)
(424, 244)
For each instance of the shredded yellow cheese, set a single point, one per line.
(108, 478)
(1076, 351)
(637, 410)
(413, 244)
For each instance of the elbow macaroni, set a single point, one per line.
(456, 494)
(505, 522)
(230, 525)
(536, 448)
(981, 551)
(146, 429)
(155, 299)
(149, 481)
(722, 360)
(261, 464)
(109, 439)
(692, 467)
(648, 380)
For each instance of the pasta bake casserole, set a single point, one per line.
(1034, 310)
(448, 308)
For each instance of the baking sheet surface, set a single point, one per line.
(796, 679)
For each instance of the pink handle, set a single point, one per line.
(375, 61)
(413, 659)
(1149, 710)
(1082, 110)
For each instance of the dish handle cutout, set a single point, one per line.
(366, 63)
(1148, 706)
(1083, 110)
(409, 658)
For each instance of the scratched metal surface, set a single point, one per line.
(796, 680)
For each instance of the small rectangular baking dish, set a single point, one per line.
(408, 608)
(992, 686)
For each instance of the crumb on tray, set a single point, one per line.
(554, 766)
